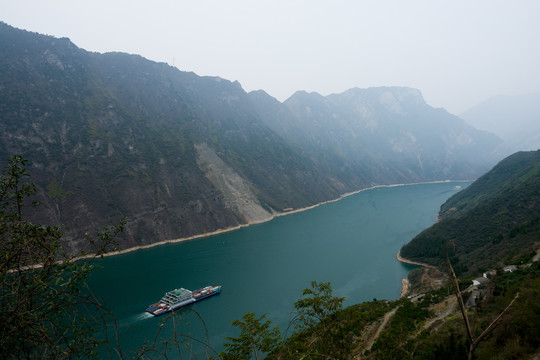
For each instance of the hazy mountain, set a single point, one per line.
(111, 135)
(354, 132)
(494, 220)
(515, 119)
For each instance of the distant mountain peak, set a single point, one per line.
(302, 94)
(263, 96)
(392, 96)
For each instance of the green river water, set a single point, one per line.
(263, 268)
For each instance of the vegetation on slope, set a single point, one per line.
(496, 220)
(426, 326)
(445, 337)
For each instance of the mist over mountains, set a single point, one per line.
(355, 132)
(112, 135)
(515, 119)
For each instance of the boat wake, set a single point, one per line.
(138, 317)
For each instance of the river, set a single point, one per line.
(263, 268)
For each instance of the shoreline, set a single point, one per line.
(405, 283)
(277, 214)
(411, 262)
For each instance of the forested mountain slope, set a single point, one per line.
(112, 135)
(493, 221)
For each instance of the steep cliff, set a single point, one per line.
(112, 135)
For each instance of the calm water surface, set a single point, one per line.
(263, 268)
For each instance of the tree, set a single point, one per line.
(256, 338)
(317, 306)
(317, 311)
(45, 311)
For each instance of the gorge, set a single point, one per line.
(111, 136)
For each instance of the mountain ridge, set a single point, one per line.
(112, 135)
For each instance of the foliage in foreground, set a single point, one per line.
(256, 338)
(45, 310)
(315, 310)
(517, 335)
(410, 332)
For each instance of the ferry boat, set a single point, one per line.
(178, 298)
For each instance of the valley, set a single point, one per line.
(112, 136)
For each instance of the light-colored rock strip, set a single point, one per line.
(235, 190)
(406, 261)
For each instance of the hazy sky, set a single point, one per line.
(456, 52)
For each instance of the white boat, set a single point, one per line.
(178, 298)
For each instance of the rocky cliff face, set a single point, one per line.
(112, 135)
(353, 133)
(236, 191)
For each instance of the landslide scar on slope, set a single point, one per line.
(235, 190)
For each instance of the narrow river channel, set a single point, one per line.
(263, 268)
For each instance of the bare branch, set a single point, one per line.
(493, 324)
(455, 285)
(453, 280)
